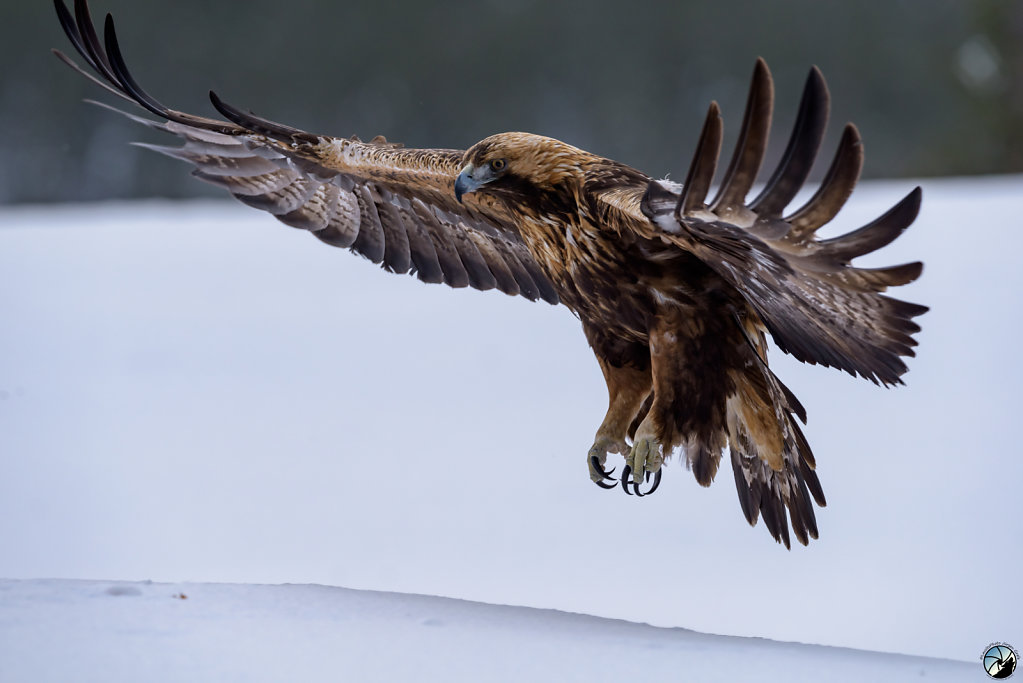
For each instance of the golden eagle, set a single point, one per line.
(676, 292)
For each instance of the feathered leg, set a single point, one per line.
(687, 351)
(627, 388)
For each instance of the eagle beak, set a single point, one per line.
(465, 182)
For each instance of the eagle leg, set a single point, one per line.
(627, 387)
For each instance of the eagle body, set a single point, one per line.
(677, 291)
(645, 304)
(613, 278)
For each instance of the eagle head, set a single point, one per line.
(519, 163)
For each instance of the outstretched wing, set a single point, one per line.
(816, 305)
(394, 206)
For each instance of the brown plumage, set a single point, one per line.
(676, 292)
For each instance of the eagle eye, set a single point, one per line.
(498, 164)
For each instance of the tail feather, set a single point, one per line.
(771, 459)
(703, 459)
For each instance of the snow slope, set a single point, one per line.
(101, 631)
(194, 392)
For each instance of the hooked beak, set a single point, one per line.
(465, 182)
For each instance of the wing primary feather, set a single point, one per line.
(877, 233)
(197, 140)
(752, 142)
(835, 189)
(90, 41)
(110, 65)
(250, 121)
(109, 88)
(880, 279)
(216, 164)
(701, 170)
(123, 77)
(807, 134)
(148, 123)
(67, 22)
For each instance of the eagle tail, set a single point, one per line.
(771, 459)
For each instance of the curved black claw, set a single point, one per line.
(627, 482)
(657, 482)
(597, 467)
(625, 479)
(605, 474)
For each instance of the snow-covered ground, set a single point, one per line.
(194, 392)
(154, 632)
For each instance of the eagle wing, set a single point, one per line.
(392, 205)
(815, 304)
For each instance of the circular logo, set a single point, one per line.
(1000, 660)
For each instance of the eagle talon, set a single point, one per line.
(598, 468)
(595, 468)
(626, 479)
(657, 482)
(596, 457)
(646, 458)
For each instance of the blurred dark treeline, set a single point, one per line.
(936, 86)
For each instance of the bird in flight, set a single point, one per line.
(677, 291)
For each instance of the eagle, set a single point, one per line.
(677, 291)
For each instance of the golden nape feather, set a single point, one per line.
(676, 292)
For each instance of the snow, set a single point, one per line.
(194, 392)
(230, 632)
